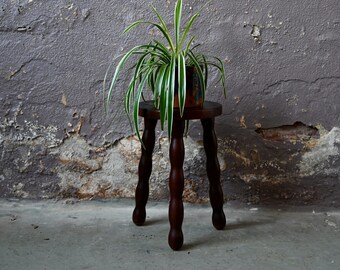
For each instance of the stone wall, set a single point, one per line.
(279, 135)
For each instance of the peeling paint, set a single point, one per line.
(55, 139)
(243, 122)
(324, 157)
(64, 100)
(256, 33)
(88, 172)
(28, 132)
(296, 132)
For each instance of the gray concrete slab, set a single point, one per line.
(100, 235)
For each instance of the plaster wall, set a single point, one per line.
(279, 135)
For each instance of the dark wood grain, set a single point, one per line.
(144, 171)
(214, 172)
(176, 184)
(207, 115)
(208, 110)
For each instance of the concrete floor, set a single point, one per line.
(100, 235)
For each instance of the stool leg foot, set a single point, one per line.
(144, 172)
(214, 173)
(176, 184)
(218, 219)
(175, 239)
(139, 216)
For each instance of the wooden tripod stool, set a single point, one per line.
(176, 180)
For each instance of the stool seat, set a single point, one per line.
(206, 114)
(209, 110)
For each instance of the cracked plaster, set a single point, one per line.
(282, 65)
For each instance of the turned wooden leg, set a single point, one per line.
(213, 171)
(176, 184)
(144, 172)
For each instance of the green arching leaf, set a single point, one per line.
(165, 29)
(163, 49)
(194, 47)
(161, 28)
(222, 73)
(198, 72)
(155, 52)
(104, 82)
(140, 68)
(117, 71)
(159, 85)
(132, 85)
(191, 21)
(127, 29)
(151, 81)
(220, 67)
(163, 97)
(188, 45)
(181, 68)
(160, 19)
(154, 77)
(158, 65)
(147, 47)
(171, 93)
(127, 102)
(164, 56)
(143, 98)
(199, 58)
(177, 23)
(204, 62)
(159, 56)
(210, 63)
(186, 30)
(129, 96)
(136, 105)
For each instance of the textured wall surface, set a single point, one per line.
(279, 135)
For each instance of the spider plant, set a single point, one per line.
(159, 64)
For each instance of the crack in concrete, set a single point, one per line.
(264, 90)
(15, 72)
(29, 27)
(26, 28)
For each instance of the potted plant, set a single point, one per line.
(170, 67)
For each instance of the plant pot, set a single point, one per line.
(194, 92)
